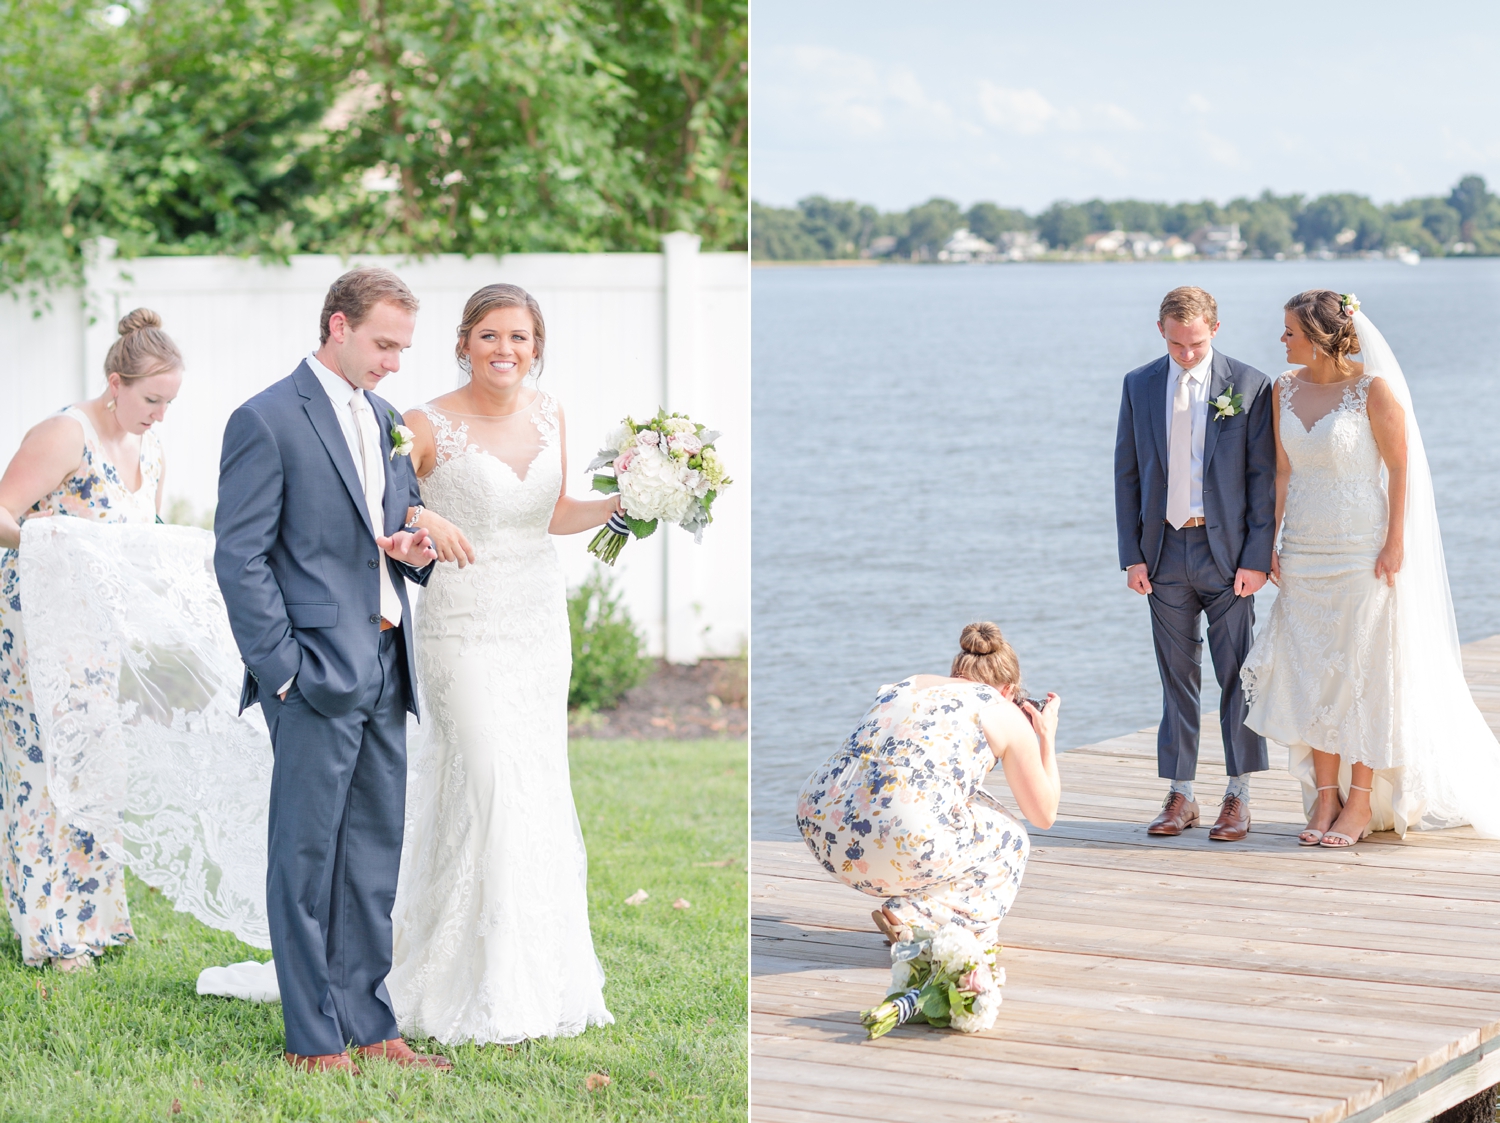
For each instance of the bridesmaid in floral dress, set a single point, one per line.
(64, 886)
(900, 810)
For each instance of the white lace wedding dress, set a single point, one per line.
(1347, 664)
(492, 940)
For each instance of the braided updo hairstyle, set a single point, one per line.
(143, 349)
(984, 656)
(1321, 314)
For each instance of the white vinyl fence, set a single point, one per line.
(626, 333)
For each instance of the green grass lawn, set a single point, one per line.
(132, 1040)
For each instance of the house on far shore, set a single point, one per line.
(1021, 245)
(883, 246)
(965, 246)
(1138, 244)
(1219, 241)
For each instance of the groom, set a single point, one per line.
(312, 560)
(1195, 507)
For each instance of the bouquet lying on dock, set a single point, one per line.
(664, 469)
(943, 978)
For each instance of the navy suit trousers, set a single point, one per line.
(1187, 586)
(338, 802)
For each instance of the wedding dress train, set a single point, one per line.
(137, 682)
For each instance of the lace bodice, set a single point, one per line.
(501, 484)
(1336, 492)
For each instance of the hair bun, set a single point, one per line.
(981, 639)
(138, 320)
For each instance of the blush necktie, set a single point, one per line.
(1180, 455)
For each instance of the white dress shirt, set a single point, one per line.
(1198, 378)
(340, 394)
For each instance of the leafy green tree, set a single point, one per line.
(686, 65)
(1329, 217)
(277, 126)
(777, 234)
(989, 222)
(929, 226)
(1063, 225)
(841, 228)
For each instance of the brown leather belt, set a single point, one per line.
(1196, 520)
(385, 625)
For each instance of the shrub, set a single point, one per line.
(608, 651)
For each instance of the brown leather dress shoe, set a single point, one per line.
(399, 1052)
(1178, 813)
(325, 1062)
(1234, 821)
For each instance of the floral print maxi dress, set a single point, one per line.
(64, 886)
(900, 812)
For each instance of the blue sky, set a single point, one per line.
(1021, 104)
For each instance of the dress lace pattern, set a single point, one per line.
(492, 933)
(1322, 673)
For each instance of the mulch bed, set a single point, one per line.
(692, 703)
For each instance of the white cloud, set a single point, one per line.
(854, 94)
(1220, 151)
(1019, 111)
(1119, 117)
(1198, 103)
(1028, 113)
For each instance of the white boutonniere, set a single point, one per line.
(1228, 405)
(402, 438)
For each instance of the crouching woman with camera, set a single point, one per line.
(900, 810)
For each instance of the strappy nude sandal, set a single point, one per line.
(1302, 839)
(1344, 841)
(893, 933)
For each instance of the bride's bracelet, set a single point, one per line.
(413, 514)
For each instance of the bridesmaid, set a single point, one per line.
(900, 810)
(65, 887)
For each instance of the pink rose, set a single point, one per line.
(977, 981)
(622, 462)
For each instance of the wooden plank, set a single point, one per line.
(1158, 979)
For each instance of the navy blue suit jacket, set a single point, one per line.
(1239, 469)
(296, 557)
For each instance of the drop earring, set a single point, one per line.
(465, 365)
(110, 405)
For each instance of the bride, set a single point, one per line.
(1358, 670)
(492, 940)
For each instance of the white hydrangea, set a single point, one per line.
(954, 949)
(900, 975)
(679, 425)
(654, 487)
(982, 1016)
(623, 437)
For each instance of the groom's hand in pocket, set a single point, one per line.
(1136, 579)
(1248, 582)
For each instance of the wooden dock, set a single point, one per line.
(1159, 980)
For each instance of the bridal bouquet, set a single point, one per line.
(664, 469)
(943, 978)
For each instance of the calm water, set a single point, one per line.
(934, 445)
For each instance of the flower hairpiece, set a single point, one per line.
(1348, 303)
